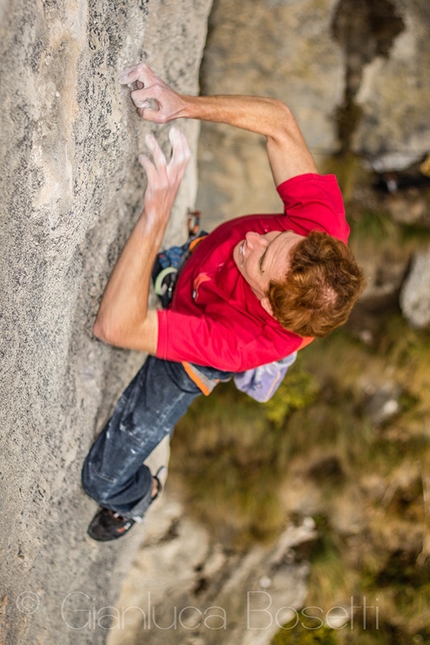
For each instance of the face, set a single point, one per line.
(262, 258)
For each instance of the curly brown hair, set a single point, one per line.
(320, 288)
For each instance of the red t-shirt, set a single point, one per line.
(215, 319)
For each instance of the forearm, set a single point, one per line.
(123, 309)
(157, 102)
(287, 151)
(266, 116)
(123, 318)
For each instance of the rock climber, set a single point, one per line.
(254, 291)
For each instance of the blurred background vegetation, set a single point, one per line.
(345, 440)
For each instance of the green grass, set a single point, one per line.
(328, 577)
(297, 634)
(374, 225)
(234, 452)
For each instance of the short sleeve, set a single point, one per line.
(314, 202)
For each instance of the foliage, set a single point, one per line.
(297, 391)
(297, 634)
(234, 454)
(373, 224)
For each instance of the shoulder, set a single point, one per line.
(314, 202)
(310, 185)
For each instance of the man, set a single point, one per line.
(254, 291)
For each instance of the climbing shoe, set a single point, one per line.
(108, 525)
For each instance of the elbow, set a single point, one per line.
(288, 119)
(285, 125)
(125, 333)
(282, 108)
(104, 332)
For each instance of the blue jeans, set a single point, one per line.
(113, 473)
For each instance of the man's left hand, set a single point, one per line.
(164, 178)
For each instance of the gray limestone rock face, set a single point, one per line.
(395, 93)
(415, 294)
(184, 588)
(280, 49)
(71, 189)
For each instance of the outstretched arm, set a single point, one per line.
(123, 318)
(286, 148)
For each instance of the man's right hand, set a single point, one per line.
(154, 99)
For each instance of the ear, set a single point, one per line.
(265, 303)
